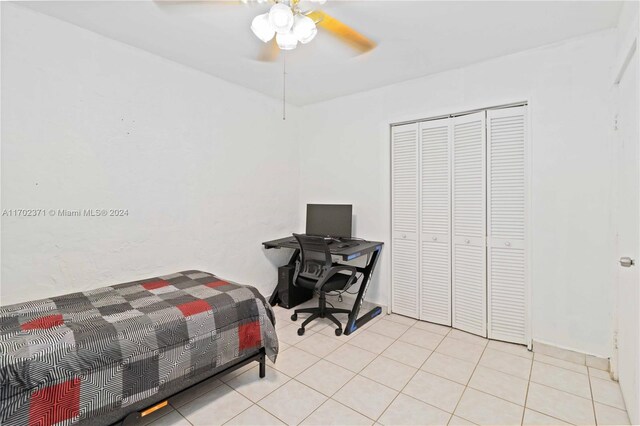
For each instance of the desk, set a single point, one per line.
(356, 249)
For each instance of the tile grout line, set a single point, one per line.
(605, 403)
(524, 406)
(486, 345)
(363, 368)
(560, 390)
(549, 415)
(568, 393)
(564, 368)
(293, 378)
(252, 404)
(396, 340)
(169, 412)
(181, 415)
(268, 394)
(532, 359)
(469, 381)
(483, 366)
(314, 363)
(297, 381)
(414, 374)
(378, 355)
(306, 368)
(593, 402)
(256, 403)
(526, 394)
(432, 350)
(565, 391)
(540, 384)
(357, 374)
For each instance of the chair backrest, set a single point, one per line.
(315, 257)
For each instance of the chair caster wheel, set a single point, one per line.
(338, 332)
(294, 317)
(300, 331)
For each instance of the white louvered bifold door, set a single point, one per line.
(506, 187)
(469, 223)
(435, 217)
(404, 222)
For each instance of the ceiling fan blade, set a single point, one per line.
(270, 51)
(342, 31)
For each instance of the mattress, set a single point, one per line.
(74, 358)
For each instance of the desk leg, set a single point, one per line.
(275, 296)
(354, 322)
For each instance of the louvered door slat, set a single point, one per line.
(405, 225)
(507, 289)
(469, 223)
(435, 214)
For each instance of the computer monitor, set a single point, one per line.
(329, 220)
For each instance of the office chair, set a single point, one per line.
(317, 272)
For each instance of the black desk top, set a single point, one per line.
(356, 248)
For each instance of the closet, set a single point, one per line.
(459, 222)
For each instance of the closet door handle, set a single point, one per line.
(626, 262)
(467, 241)
(434, 238)
(507, 243)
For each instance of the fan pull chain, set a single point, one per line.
(284, 85)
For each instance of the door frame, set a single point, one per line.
(624, 59)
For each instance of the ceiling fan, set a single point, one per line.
(289, 22)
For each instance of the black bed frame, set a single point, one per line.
(135, 416)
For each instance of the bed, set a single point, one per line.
(101, 355)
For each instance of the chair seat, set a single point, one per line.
(336, 282)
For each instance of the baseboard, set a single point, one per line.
(575, 357)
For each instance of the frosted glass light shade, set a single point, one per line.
(286, 41)
(262, 28)
(304, 28)
(281, 18)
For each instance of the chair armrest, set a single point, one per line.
(334, 270)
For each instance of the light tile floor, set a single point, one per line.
(399, 371)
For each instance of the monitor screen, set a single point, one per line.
(329, 220)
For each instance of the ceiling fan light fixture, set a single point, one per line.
(304, 28)
(286, 41)
(281, 18)
(261, 27)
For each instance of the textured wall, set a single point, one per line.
(206, 169)
(568, 86)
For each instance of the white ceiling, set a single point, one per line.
(415, 38)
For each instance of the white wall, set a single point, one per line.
(92, 123)
(568, 87)
(192, 158)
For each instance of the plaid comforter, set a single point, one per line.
(76, 357)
